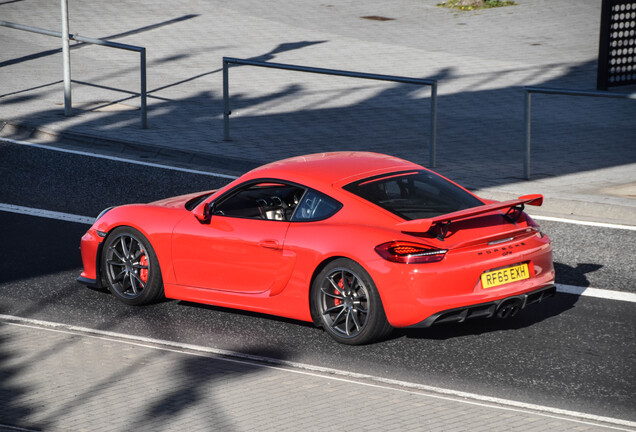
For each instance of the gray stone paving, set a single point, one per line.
(69, 381)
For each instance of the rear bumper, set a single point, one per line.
(411, 294)
(502, 308)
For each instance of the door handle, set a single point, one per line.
(269, 244)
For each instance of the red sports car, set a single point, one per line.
(358, 243)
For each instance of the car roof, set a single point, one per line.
(325, 169)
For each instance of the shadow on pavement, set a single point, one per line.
(47, 53)
(12, 394)
(195, 378)
(528, 317)
(576, 276)
(478, 144)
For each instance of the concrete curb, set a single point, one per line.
(132, 150)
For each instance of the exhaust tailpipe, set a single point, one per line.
(509, 307)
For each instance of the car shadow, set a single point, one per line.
(576, 276)
(527, 317)
(244, 313)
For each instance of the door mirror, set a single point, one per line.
(204, 212)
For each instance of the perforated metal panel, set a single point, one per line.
(617, 47)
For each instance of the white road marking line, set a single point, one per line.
(568, 289)
(67, 217)
(118, 159)
(587, 223)
(597, 292)
(325, 373)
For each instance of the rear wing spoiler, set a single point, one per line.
(441, 223)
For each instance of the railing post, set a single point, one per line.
(433, 144)
(528, 116)
(142, 66)
(226, 102)
(66, 59)
(65, 36)
(433, 83)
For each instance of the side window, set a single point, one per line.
(315, 206)
(270, 201)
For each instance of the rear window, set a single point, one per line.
(413, 194)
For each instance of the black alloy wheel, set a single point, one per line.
(347, 304)
(131, 268)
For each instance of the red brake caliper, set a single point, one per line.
(338, 302)
(143, 273)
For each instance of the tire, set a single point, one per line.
(130, 267)
(347, 305)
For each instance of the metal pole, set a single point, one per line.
(144, 115)
(433, 148)
(66, 58)
(226, 102)
(528, 115)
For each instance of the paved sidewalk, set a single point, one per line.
(584, 149)
(110, 384)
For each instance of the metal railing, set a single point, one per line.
(140, 50)
(557, 91)
(417, 81)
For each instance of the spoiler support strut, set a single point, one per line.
(514, 213)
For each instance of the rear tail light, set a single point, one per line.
(535, 226)
(409, 253)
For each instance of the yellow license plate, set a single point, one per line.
(506, 275)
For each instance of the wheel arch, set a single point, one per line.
(100, 249)
(156, 224)
(375, 326)
(154, 284)
(324, 263)
(317, 270)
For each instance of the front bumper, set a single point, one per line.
(503, 308)
(91, 246)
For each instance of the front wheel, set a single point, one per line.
(131, 268)
(347, 304)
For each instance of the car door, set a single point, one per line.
(241, 249)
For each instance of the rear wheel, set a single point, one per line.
(347, 304)
(130, 267)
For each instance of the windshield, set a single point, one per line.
(414, 194)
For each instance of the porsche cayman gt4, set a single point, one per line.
(358, 243)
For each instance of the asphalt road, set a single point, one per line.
(575, 353)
